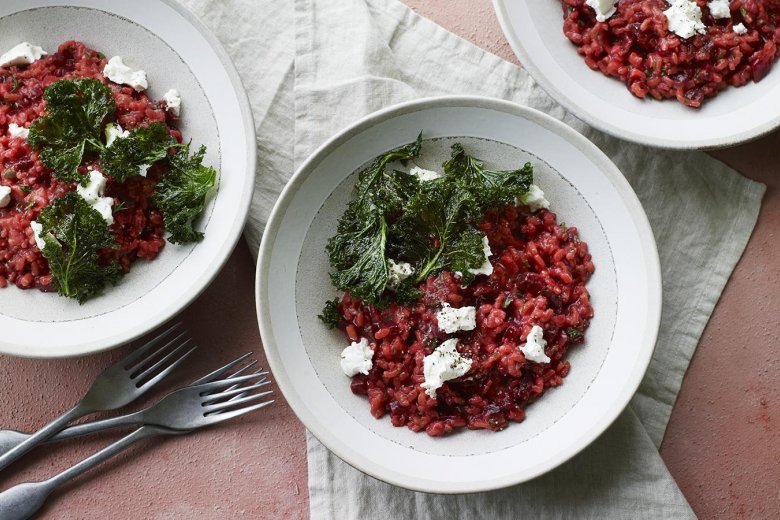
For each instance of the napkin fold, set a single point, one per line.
(312, 67)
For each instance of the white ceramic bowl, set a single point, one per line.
(535, 32)
(177, 52)
(585, 189)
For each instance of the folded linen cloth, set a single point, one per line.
(312, 67)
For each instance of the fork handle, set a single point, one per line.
(22, 501)
(43, 434)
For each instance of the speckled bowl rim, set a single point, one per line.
(353, 455)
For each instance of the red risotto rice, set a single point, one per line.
(636, 46)
(539, 277)
(138, 227)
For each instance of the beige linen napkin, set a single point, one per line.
(314, 66)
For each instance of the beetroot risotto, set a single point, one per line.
(462, 293)
(688, 50)
(94, 172)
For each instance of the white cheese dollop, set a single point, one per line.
(398, 272)
(425, 175)
(443, 364)
(684, 18)
(93, 194)
(114, 132)
(173, 101)
(118, 72)
(15, 130)
(22, 54)
(452, 320)
(5, 196)
(356, 358)
(534, 198)
(604, 8)
(533, 350)
(719, 8)
(37, 228)
(740, 28)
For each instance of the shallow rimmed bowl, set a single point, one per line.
(176, 51)
(736, 115)
(585, 189)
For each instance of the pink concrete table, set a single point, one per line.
(722, 445)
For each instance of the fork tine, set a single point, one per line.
(231, 392)
(219, 417)
(134, 355)
(159, 377)
(230, 404)
(221, 371)
(244, 369)
(135, 368)
(223, 383)
(149, 371)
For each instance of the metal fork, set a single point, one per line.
(196, 407)
(118, 386)
(11, 438)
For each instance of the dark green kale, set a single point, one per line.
(74, 232)
(358, 251)
(330, 314)
(431, 225)
(72, 125)
(144, 146)
(182, 193)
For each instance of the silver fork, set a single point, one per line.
(196, 407)
(118, 386)
(11, 438)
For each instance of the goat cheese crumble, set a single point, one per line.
(534, 198)
(443, 364)
(533, 350)
(173, 101)
(92, 193)
(37, 229)
(15, 130)
(740, 28)
(22, 54)
(356, 358)
(604, 8)
(719, 9)
(684, 18)
(398, 272)
(5, 196)
(118, 72)
(425, 175)
(114, 132)
(452, 320)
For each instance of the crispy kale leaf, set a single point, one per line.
(432, 224)
(330, 314)
(72, 125)
(144, 146)
(358, 251)
(182, 192)
(74, 232)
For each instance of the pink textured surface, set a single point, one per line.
(722, 445)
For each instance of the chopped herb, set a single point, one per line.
(507, 301)
(182, 192)
(72, 125)
(30, 205)
(330, 314)
(16, 83)
(74, 232)
(101, 55)
(25, 189)
(743, 12)
(573, 334)
(493, 423)
(9, 174)
(144, 145)
(117, 208)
